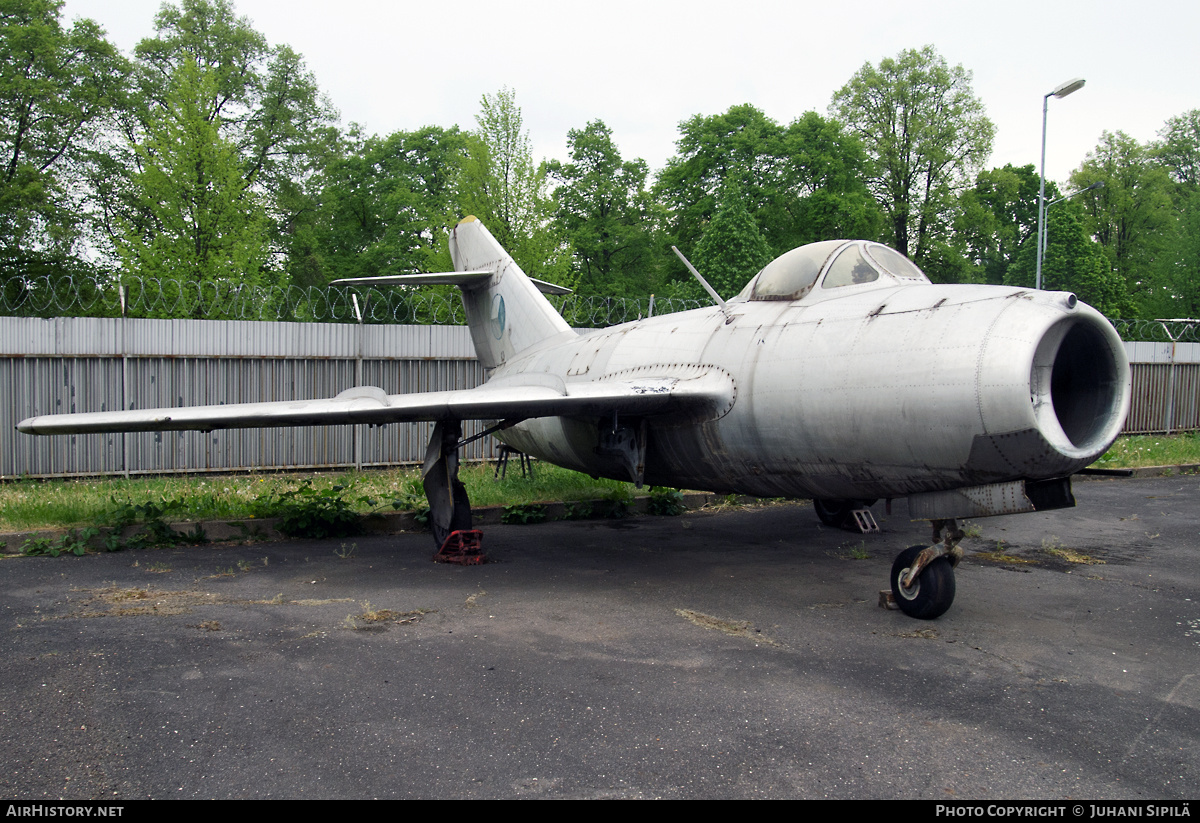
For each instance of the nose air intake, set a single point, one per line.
(1080, 385)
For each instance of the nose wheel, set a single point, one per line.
(923, 576)
(929, 593)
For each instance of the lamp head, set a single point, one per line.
(1063, 89)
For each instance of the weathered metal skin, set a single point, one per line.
(875, 391)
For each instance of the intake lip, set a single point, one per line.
(1079, 385)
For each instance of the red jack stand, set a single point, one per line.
(463, 547)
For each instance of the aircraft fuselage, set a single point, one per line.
(882, 393)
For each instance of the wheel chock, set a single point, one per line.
(463, 547)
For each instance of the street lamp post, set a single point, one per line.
(1099, 184)
(1062, 90)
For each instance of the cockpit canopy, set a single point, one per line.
(842, 263)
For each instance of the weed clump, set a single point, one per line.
(310, 512)
(666, 502)
(524, 514)
(150, 516)
(72, 542)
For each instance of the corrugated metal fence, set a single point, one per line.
(95, 364)
(1166, 388)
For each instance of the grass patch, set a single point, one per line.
(548, 484)
(27, 505)
(135, 602)
(371, 616)
(72, 542)
(1000, 555)
(1053, 547)
(855, 551)
(970, 529)
(1136, 450)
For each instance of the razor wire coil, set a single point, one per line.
(75, 295)
(1159, 331)
(86, 296)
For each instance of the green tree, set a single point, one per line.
(1073, 262)
(1177, 265)
(385, 207)
(996, 217)
(1179, 148)
(603, 209)
(826, 195)
(268, 104)
(742, 141)
(206, 226)
(801, 183)
(927, 137)
(1131, 216)
(1177, 271)
(261, 106)
(732, 249)
(502, 186)
(56, 88)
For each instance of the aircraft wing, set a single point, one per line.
(517, 398)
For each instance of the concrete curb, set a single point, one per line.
(266, 530)
(1166, 471)
(1092, 473)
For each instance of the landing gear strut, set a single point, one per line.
(923, 576)
(449, 508)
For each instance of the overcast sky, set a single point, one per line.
(642, 66)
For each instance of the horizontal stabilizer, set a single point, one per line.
(465, 280)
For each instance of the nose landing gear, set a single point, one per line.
(923, 576)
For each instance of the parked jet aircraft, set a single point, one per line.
(840, 373)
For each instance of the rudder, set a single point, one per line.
(507, 312)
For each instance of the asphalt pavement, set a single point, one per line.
(736, 653)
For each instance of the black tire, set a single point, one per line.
(933, 592)
(832, 512)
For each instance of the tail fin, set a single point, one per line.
(506, 311)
